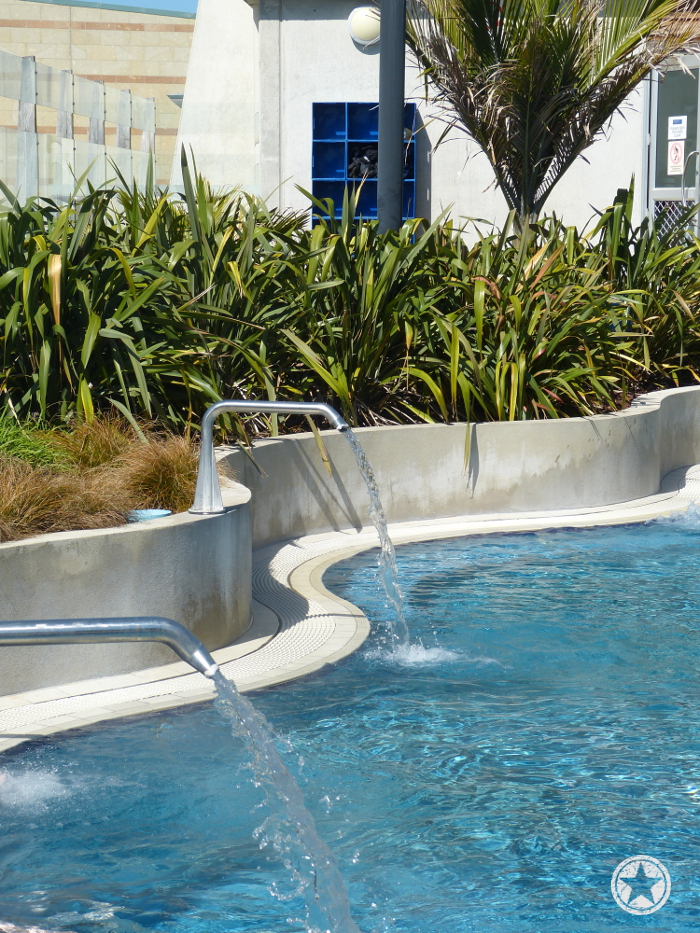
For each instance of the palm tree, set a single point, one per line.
(535, 81)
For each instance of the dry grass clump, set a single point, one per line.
(102, 471)
(36, 500)
(161, 474)
(95, 443)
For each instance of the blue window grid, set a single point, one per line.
(338, 128)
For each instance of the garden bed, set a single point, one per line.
(93, 476)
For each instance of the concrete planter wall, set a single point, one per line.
(197, 569)
(513, 466)
(191, 568)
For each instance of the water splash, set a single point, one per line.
(689, 518)
(413, 655)
(398, 629)
(30, 788)
(289, 828)
(416, 655)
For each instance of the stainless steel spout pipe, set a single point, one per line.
(135, 628)
(207, 497)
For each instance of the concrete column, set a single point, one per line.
(219, 104)
(269, 29)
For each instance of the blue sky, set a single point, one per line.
(167, 7)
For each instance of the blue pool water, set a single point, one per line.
(546, 727)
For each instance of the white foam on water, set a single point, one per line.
(416, 655)
(30, 788)
(101, 910)
(6, 927)
(688, 519)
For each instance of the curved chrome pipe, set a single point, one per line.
(135, 628)
(207, 497)
(696, 153)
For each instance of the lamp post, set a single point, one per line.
(391, 104)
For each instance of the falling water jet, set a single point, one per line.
(207, 498)
(387, 555)
(291, 830)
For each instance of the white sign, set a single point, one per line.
(677, 127)
(676, 155)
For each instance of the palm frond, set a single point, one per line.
(534, 82)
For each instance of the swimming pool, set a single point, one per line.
(489, 780)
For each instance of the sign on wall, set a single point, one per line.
(678, 127)
(676, 153)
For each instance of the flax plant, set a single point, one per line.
(136, 300)
(532, 337)
(360, 296)
(654, 271)
(153, 305)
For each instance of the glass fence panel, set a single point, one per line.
(140, 163)
(56, 167)
(10, 76)
(8, 160)
(117, 106)
(90, 161)
(54, 88)
(27, 185)
(89, 98)
(118, 163)
(143, 114)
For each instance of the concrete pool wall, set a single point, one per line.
(423, 471)
(192, 568)
(198, 569)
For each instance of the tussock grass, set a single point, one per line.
(100, 472)
(161, 474)
(95, 443)
(36, 500)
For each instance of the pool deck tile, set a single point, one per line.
(298, 625)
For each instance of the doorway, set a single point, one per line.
(674, 163)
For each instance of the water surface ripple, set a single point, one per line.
(543, 725)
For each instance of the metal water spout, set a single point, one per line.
(207, 497)
(132, 628)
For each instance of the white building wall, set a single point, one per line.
(289, 54)
(219, 120)
(461, 180)
(319, 63)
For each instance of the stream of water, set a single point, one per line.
(398, 629)
(289, 827)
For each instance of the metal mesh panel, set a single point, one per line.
(673, 212)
